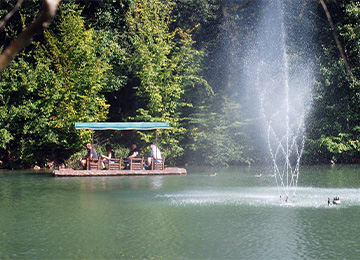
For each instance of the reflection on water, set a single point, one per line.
(197, 216)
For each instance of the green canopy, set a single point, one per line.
(123, 125)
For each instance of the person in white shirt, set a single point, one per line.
(154, 154)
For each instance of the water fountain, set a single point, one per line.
(201, 215)
(283, 88)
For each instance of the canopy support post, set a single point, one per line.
(156, 137)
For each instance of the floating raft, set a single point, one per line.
(86, 173)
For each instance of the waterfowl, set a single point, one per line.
(336, 201)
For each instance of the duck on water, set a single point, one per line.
(336, 201)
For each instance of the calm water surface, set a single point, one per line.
(230, 216)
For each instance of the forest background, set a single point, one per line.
(169, 61)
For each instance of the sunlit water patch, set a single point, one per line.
(264, 196)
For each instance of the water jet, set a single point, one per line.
(283, 91)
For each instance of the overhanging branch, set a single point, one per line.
(49, 12)
(8, 16)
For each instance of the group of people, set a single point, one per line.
(154, 156)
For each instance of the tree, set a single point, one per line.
(218, 135)
(334, 130)
(44, 92)
(165, 64)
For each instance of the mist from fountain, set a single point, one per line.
(283, 89)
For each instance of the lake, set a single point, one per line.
(232, 215)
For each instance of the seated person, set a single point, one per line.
(154, 155)
(134, 153)
(109, 155)
(91, 155)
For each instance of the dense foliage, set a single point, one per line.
(165, 64)
(334, 125)
(50, 88)
(170, 61)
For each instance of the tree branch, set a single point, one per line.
(8, 16)
(337, 41)
(49, 12)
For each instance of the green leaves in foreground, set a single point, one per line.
(41, 99)
(165, 64)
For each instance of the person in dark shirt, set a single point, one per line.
(91, 155)
(134, 153)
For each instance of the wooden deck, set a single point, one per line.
(88, 173)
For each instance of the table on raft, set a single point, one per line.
(68, 172)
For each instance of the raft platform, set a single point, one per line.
(68, 172)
